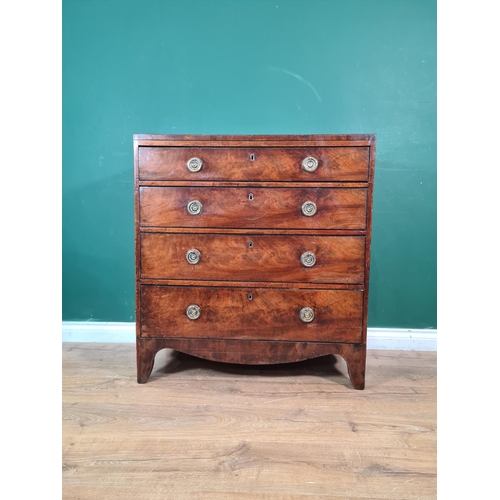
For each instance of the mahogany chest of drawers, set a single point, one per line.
(253, 249)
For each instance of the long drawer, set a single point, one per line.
(253, 207)
(251, 313)
(307, 259)
(254, 163)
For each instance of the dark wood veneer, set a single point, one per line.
(252, 353)
(339, 259)
(250, 298)
(271, 164)
(267, 208)
(269, 313)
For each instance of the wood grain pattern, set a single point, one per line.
(246, 184)
(239, 139)
(215, 431)
(238, 200)
(222, 230)
(339, 259)
(357, 140)
(256, 313)
(250, 284)
(137, 240)
(254, 353)
(268, 164)
(269, 208)
(368, 240)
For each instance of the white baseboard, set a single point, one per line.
(378, 338)
(97, 331)
(402, 339)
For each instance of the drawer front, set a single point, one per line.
(251, 313)
(266, 164)
(253, 207)
(307, 259)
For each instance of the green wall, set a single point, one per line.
(248, 67)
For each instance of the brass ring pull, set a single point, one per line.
(194, 164)
(309, 164)
(306, 314)
(309, 208)
(193, 311)
(308, 259)
(193, 256)
(195, 207)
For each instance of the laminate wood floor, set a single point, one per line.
(205, 430)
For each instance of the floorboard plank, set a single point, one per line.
(204, 430)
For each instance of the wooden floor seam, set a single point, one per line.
(204, 430)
